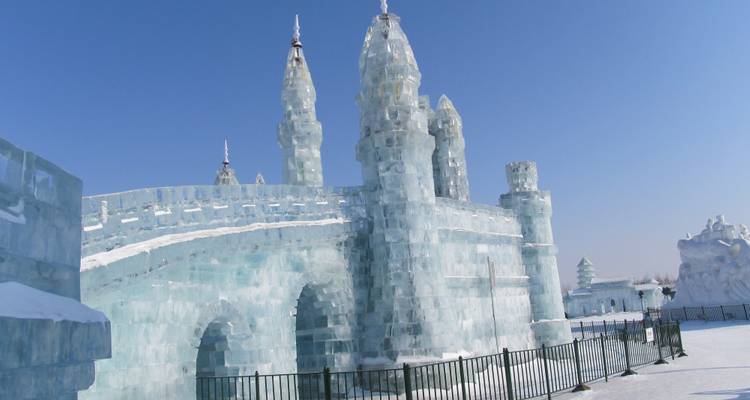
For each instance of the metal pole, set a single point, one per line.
(604, 358)
(546, 372)
(583, 335)
(407, 382)
(491, 269)
(723, 316)
(327, 383)
(679, 341)
(605, 327)
(463, 380)
(628, 370)
(671, 349)
(508, 377)
(658, 338)
(580, 387)
(257, 385)
(744, 307)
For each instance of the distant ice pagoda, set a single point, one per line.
(595, 296)
(232, 279)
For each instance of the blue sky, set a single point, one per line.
(637, 112)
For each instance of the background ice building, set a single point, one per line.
(48, 339)
(232, 279)
(596, 296)
(715, 268)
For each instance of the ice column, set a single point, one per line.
(449, 161)
(395, 150)
(534, 209)
(299, 133)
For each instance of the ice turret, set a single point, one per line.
(299, 133)
(585, 273)
(534, 209)
(226, 175)
(395, 150)
(449, 161)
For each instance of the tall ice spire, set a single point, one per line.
(449, 160)
(384, 6)
(226, 175)
(300, 134)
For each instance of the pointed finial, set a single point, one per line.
(296, 34)
(226, 152)
(384, 6)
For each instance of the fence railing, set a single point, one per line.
(707, 313)
(583, 330)
(511, 375)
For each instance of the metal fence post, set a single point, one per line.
(580, 387)
(463, 379)
(583, 334)
(679, 341)
(407, 381)
(723, 316)
(605, 327)
(671, 348)
(659, 340)
(327, 383)
(628, 370)
(508, 377)
(546, 372)
(604, 358)
(257, 385)
(744, 307)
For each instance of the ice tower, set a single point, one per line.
(449, 161)
(585, 273)
(226, 175)
(300, 134)
(395, 150)
(534, 209)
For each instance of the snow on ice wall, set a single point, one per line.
(48, 339)
(715, 267)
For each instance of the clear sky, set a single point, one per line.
(637, 112)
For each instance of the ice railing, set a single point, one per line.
(114, 220)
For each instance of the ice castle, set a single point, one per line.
(236, 278)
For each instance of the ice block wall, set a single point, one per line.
(48, 339)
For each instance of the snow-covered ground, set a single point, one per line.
(717, 368)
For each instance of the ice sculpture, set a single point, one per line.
(715, 267)
(234, 279)
(300, 134)
(585, 273)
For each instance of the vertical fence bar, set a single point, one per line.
(604, 358)
(579, 374)
(723, 316)
(679, 341)
(327, 383)
(257, 385)
(744, 307)
(658, 338)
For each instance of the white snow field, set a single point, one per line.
(717, 368)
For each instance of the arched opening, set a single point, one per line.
(215, 360)
(325, 315)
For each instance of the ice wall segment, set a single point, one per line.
(534, 209)
(715, 268)
(233, 279)
(48, 339)
(300, 134)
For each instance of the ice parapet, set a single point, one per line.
(448, 160)
(715, 267)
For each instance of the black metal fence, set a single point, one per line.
(707, 313)
(583, 330)
(510, 375)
